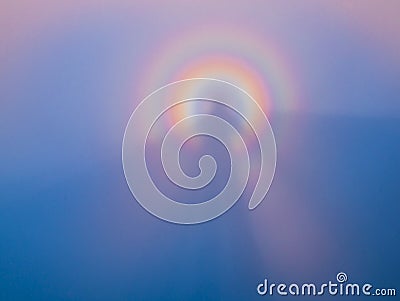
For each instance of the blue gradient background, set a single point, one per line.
(69, 226)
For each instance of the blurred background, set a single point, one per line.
(71, 73)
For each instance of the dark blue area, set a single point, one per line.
(81, 236)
